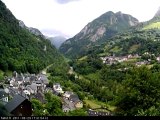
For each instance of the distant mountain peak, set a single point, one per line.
(32, 30)
(98, 31)
(119, 12)
(157, 13)
(57, 40)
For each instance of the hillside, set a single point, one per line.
(145, 37)
(97, 31)
(124, 70)
(31, 29)
(21, 50)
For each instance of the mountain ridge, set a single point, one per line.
(140, 39)
(157, 13)
(34, 31)
(105, 26)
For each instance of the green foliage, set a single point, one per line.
(155, 25)
(133, 42)
(134, 91)
(156, 68)
(52, 107)
(1, 75)
(38, 108)
(58, 68)
(140, 91)
(20, 50)
(109, 73)
(78, 112)
(88, 65)
(152, 111)
(3, 111)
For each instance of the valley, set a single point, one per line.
(110, 68)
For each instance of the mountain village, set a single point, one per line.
(109, 68)
(19, 89)
(109, 60)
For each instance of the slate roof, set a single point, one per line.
(32, 86)
(27, 79)
(68, 92)
(57, 87)
(19, 78)
(2, 93)
(26, 83)
(38, 82)
(24, 95)
(44, 78)
(65, 107)
(14, 103)
(69, 104)
(57, 84)
(74, 98)
(15, 84)
(40, 97)
(32, 78)
(13, 91)
(14, 73)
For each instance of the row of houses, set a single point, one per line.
(145, 62)
(70, 100)
(28, 83)
(17, 106)
(112, 59)
(24, 87)
(98, 113)
(21, 88)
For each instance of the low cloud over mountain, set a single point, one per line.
(65, 1)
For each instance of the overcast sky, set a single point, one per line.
(68, 17)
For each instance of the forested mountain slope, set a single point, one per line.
(20, 50)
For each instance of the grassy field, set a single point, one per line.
(152, 26)
(116, 49)
(93, 76)
(97, 105)
(83, 58)
(133, 48)
(150, 66)
(92, 104)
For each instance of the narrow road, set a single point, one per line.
(44, 71)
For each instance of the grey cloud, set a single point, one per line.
(53, 33)
(65, 1)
